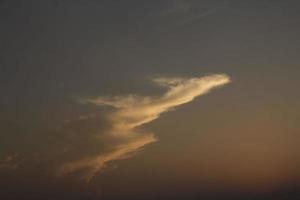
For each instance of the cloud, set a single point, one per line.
(133, 111)
(174, 7)
(90, 166)
(10, 162)
(181, 12)
(198, 16)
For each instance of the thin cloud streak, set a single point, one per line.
(199, 16)
(175, 7)
(91, 166)
(133, 111)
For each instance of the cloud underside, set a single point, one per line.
(133, 111)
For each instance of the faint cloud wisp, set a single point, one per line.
(198, 16)
(174, 7)
(10, 162)
(182, 11)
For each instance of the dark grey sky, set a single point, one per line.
(54, 53)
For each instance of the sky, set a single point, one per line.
(140, 99)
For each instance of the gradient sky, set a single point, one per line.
(149, 99)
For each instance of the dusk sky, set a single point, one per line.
(150, 99)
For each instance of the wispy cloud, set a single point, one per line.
(198, 16)
(10, 162)
(133, 111)
(174, 7)
(181, 12)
